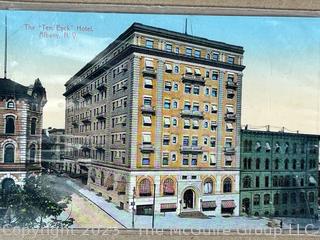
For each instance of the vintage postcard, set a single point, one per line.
(133, 121)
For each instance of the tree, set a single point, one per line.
(37, 204)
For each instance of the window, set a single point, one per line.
(10, 104)
(176, 69)
(258, 163)
(293, 198)
(284, 198)
(266, 199)
(214, 92)
(213, 159)
(230, 59)
(276, 198)
(302, 164)
(174, 104)
(194, 160)
(187, 88)
(294, 164)
(286, 164)
(213, 125)
(206, 108)
(215, 56)
(174, 139)
(212, 142)
(197, 53)
(196, 90)
(206, 91)
(194, 141)
(177, 50)
(168, 67)
(149, 64)
(195, 107)
(173, 156)
(10, 125)
(188, 51)
(214, 109)
(268, 147)
(267, 164)
(208, 186)
(257, 181)
(166, 122)
(227, 185)
(205, 140)
(266, 181)
(247, 182)
(147, 121)
(146, 138)
(165, 159)
(168, 187)
(167, 86)
(167, 104)
(186, 124)
(215, 75)
(185, 160)
(185, 141)
(276, 164)
(33, 126)
(205, 157)
(32, 153)
(148, 83)
(187, 105)
(145, 187)
(9, 150)
(208, 56)
(195, 124)
(175, 87)
(205, 124)
(174, 122)
(147, 101)
(256, 199)
(229, 127)
(149, 43)
(169, 47)
(145, 159)
(311, 197)
(207, 73)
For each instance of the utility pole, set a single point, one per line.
(133, 206)
(154, 204)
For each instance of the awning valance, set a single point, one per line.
(209, 204)
(228, 204)
(168, 205)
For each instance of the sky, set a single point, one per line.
(281, 83)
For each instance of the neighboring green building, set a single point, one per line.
(279, 173)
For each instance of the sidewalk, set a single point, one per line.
(169, 220)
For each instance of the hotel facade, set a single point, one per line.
(279, 173)
(21, 117)
(156, 115)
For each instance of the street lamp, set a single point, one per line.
(133, 205)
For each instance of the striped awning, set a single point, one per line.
(168, 205)
(228, 204)
(209, 204)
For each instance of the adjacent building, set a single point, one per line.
(158, 112)
(279, 173)
(53, 142)
(20, 130)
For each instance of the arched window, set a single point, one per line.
(281, 181)
(176, 69)
(284, 198)
(245, 145)
(302, 164)
(10, 104)
(294, 164)
(276, 198)
(10, 126)
(286, 181)
(258, 146)
(250, 146)
(286, 148)
(168, 187)
(110, 182)
(208, 186)
(249, 163)
(32, 153)
(311, 196)
(208, 56)
(286, 164)
(9, 153)
(33, 126)
(301, 197)
(145, 187)
(102, 179)
(245, 163)
(275, 181)
(256, 199)
(121, 187)
(276, 164)
(293, 198)
(227, 185)
(266, 164)
(92, 175)
(258, 163)
(246, 182)
(266, 199)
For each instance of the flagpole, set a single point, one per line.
(5, 48)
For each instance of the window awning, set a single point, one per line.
(268, 146)
(148, 82)
(195, 123)
(168, 67)
(197, 72)
(230, 110)
(209, 204)
(187, 122)
(149, 63)
(188, 70)
(167, 121)
(166, 137)
(230, 92)
(228, 204)
(213, 158)
(168, 84)
(168, 205)
(229, 126)
(147, 120)
(214, 123)
(214, 108)
(147, 138)
(228, 158)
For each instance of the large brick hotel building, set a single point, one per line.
(159, 108)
